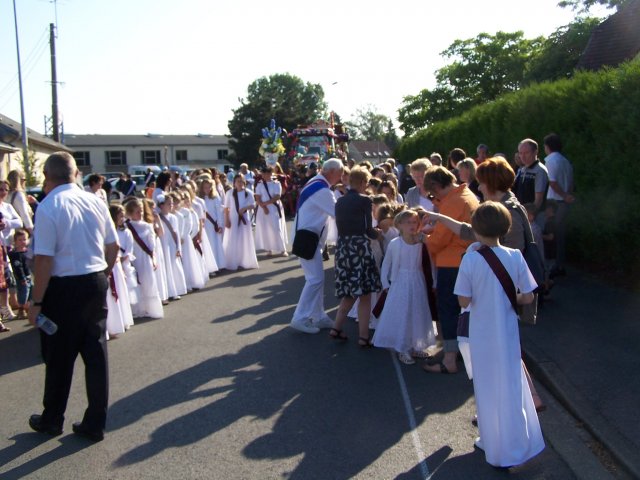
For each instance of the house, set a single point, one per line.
(372, 150)
(11, 146)
(615, 40)
(114, 153)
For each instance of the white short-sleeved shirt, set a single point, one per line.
(561, 172)
(73, 227)
(316, 209)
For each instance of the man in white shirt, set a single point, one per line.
(561, 190)
(313, 211)
(248, 176)
(75, 249)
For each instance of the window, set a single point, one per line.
(150, 157)
(116, 157)
(82, 159)
(223, 154)
(181, 156)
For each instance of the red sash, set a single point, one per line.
(138, 240)
(277, 204)
(237, 202)
(166, 221)
(210, 218)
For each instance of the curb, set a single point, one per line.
(547, 372)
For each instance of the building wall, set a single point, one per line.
(196, 155)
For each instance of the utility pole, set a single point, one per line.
(54, 85)
(25, 138)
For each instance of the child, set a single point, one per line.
(238, 243)
(192, 263)
(405, 324)
(214, 218)
(170, 242)
(144, 244)
(151, 217)
(119, 314)
(200, 208)
(18, 258)
(509, 429)
(125, 254)
(271, 227)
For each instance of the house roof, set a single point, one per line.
(11, 133)
(615, 40)
(149, 139)
(365, 149)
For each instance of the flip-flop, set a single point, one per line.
(338, 335)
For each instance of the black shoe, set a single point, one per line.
(81, 430)
(36, 423)
(325, 255)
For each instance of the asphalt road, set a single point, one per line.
(221, 388)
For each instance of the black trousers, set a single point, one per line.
(77, 305)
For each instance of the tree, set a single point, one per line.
(368, 124)
(561, 51)
(483, 68)
(583, 6)
(283, 97)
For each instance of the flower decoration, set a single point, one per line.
(272, 140)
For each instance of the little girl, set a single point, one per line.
(170, 241)
(150, 216)
(125, 254)
(191, 260)
(19, 264)
(214, 218)
(405, 324)
(271, 227)
(509, 429)
(144, 243)
(200, 208)
(239, 246)
(119, 313)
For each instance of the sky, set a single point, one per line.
(180, 67)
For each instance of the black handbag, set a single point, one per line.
(531, 253)
(305, 244)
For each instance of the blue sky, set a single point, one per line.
(179, 67)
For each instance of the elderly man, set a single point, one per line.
(418, 196)
(75, 248)
(560, 190)
(315, 204)
(532, 180)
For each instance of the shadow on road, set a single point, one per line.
(20, 349)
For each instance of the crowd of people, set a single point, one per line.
(408, 242)
(409, 265)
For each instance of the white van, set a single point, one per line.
(142, 169)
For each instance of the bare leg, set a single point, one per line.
(364, 314)
(343, 309)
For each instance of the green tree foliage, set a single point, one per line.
(583, 6)
(597, 117)
(482, 69)
(561, 51)
(284, 97)
(368, 124)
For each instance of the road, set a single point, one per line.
(221, 388)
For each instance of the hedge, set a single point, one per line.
(597, 115)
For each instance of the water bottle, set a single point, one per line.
(46, 325)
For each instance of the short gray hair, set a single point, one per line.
(60, 167)
(332, 164)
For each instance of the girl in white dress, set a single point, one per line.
(191, 260)
(509, 428)
(405, 324)
(126, 256)
(271, 227)
(149, 302)
(238, 244)
(199, 207)
(170, 241)
(119, 316)
(150, 216)
(214, 218)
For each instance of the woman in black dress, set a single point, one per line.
(356, 273)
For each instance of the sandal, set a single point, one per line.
(364, 342)
(443, 368)
(338, 335)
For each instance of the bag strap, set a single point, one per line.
(428, 280)
(138, 240)
(165, 220)
(237, 202)
(501, 273)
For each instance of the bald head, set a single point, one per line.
(60, 167)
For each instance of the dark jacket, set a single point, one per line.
(354, 215)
